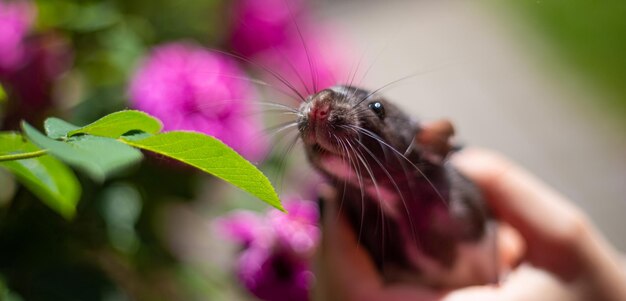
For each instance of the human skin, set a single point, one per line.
(549, 245)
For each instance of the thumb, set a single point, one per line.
(552, 227)
(345, 270)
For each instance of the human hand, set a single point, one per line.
(564, 257)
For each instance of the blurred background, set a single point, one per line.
(543, 82)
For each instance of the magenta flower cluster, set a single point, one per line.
(274, 264)
(259, 26)
(15, 21)
(191, 88)
(30, 63)
(279, 35)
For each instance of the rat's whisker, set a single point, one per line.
(247, 102)
(293, 68)
(401, 79)
(375, 137)
(350, 151)
(361, 158)
(278, 105)
(384, 87)
(352, 75)
(345, 183)
(396, 187)
(372, 64)
(312, 69)
(273, 111)
(274, 74)
(279, 176)
(277, 129)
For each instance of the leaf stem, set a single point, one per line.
(22, 156)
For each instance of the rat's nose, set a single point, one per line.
(320, 111)
(321, 104)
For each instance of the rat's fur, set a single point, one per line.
(413, 212)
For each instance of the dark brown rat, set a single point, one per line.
(414, 213)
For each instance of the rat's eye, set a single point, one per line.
(378, 109)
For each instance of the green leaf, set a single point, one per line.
(15, 147)
(211, 155)
(97, 156)
(116, 124)
(46, 177)
(57, 128)
(12, 142)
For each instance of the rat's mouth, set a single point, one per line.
(336, 160)
(338, 165)
(326, 139)
(325, 153)
(338, 144)
(323, 149)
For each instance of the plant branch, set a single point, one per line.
(21, 156)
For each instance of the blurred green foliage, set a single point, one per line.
(110, 36)
(46, 177)
(590, 35)
(113, 249)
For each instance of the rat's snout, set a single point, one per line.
(321, 105)
(323, 120)
(315, 120)
(319, 111)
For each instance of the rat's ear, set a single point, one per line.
(434, 138)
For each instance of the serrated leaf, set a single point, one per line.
(116, 124)
(56, 128)
(212, 156)
(46, 177)
(97, 156)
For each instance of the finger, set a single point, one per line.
(526, 283)
(344, 268)
(511, 248)
(550, 224)
(517, 197)
(346, 271)
(559, 236)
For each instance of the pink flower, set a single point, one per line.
(15, 21)
(46, 57)
(298, 229)
(321, 61)
(278, 35)
(275, 275)
(191, 88)
(245, 228)
(261, 25)
(277, 247)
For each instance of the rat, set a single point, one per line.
(418, 217)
